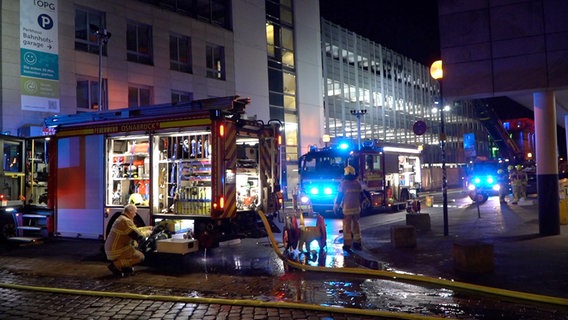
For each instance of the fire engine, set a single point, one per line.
(203, 165)
(390, 174)
(23, 188)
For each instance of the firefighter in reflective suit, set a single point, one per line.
(349, 199)
(120, 245)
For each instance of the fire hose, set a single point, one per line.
(415, 278)
(303, 306)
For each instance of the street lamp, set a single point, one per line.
(437, 72)
(358, 114)
(102, 37)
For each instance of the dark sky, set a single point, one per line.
(408, 27)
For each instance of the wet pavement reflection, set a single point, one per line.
(252, 269)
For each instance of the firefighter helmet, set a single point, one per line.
(349, 170)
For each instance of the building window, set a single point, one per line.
(215, 62)
(180, 53)
(139, 43)
(139, 96)
(181, 97)
(87, 22)
(88, 94)
(216, 12)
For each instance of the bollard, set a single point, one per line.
(421, 221)
(403, 236)
(429, 201)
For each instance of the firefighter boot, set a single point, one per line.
(128, 271)
(115, 271)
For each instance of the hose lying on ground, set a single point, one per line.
(413, 277)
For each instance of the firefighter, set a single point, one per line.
(120, 245)
(518, 179)
(349, 199)
(504, 185)
(524, 181)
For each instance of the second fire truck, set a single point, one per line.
(390, 175)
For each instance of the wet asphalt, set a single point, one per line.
(251, 271)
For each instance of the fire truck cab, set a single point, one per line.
(203, 165)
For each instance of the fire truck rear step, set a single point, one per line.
(26, 239)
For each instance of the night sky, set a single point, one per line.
(408, 27)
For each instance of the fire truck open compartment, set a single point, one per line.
(24, 212)
(202, 165)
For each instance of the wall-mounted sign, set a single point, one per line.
(39, 56)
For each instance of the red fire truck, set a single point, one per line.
(203, 165)
(390, 174)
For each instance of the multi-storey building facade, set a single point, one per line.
(71, 56)
(107, 55)
(395, 92)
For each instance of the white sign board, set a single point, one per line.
(39, 66)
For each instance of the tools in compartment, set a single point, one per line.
(193, 195)
(193, 146)
(187, 167)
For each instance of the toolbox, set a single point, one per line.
(178, 246)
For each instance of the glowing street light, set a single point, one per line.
(437, 73)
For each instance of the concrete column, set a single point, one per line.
(547, 163)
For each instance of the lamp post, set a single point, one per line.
(102, 37)
(437, 72)
(358, 114)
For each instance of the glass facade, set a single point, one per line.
(282, 77)
(394, 92)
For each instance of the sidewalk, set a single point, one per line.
(523, 260)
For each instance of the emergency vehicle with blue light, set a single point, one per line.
(390, 175)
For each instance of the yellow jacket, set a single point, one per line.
(123, 236)
(349, 197)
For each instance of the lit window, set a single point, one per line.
(215, 62)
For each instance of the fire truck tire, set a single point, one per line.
(7, 227)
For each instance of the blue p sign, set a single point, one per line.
(45, 21)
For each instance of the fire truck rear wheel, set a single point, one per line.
(7, 228)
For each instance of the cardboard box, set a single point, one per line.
(178, 246)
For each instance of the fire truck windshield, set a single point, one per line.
(317, 164)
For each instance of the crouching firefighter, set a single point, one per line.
(349, 199)
(121, 243)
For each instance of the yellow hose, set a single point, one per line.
(232, 302)
(412, 277)
(303, 306)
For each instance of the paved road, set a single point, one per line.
(519, 256)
